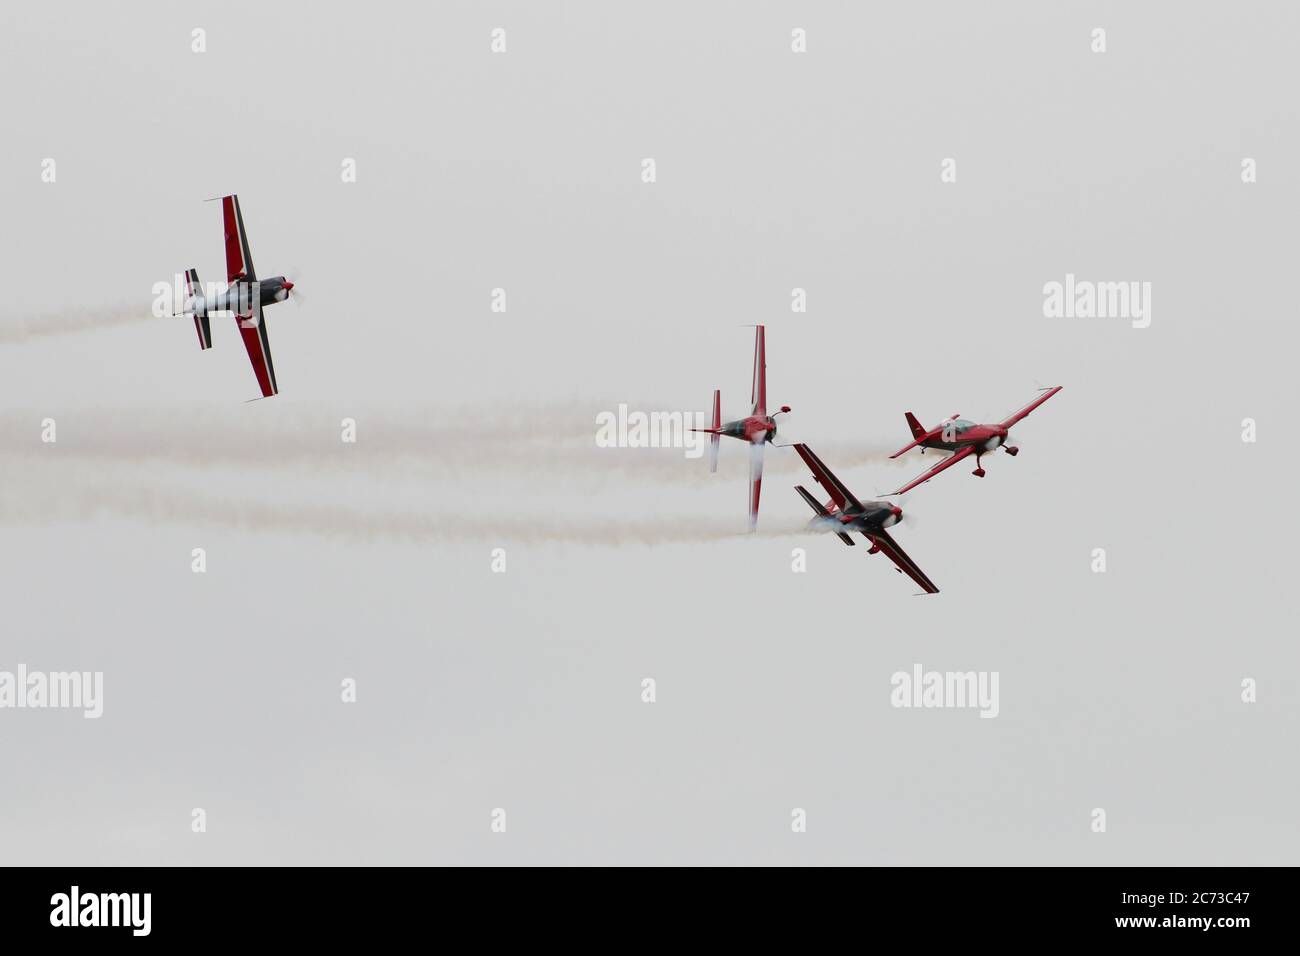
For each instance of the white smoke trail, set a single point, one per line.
(430, 443)
(50, 493)
(17, 329)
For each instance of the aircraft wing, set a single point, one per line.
(841, 495)
(890, 549)
(1047, 393)
(946, 463)
(759, 392)
(252, 329)
(239, 261)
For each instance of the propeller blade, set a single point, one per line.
(755, 482)
(295, 276)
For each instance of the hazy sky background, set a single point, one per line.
(476, 430)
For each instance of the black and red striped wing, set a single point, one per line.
(239, 261)
(890, 549)
(252, 329)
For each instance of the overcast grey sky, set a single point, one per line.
(521, 690)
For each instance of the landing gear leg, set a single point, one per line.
(979, 469)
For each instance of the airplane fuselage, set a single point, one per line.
(984, 437)
(756, 429)
(238, 296)
(875, 516)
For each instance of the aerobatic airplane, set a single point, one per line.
(245, 297)
(844, 514)
(964, 439)
(758, 429)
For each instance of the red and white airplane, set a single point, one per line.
(964, 439)
(245, 296)
(758, 429)
(844, 514)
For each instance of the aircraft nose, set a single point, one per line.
(287, 285)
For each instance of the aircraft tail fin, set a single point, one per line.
(714, 439)
(919, 435)
(917, 430)
(715, 432)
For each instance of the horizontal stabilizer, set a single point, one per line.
(194, 297)
(821, 512)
